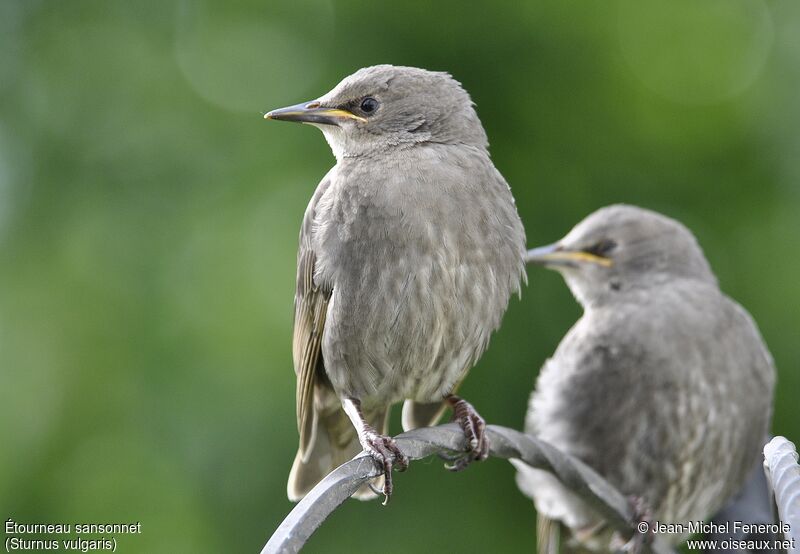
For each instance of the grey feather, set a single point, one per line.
(311, 308)
(409, 252)
(661, 373)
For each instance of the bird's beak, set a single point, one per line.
(557, 255)
(313, 112)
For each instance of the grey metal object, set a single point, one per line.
(341, 483)
(783, 474)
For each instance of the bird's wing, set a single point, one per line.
(310, 310)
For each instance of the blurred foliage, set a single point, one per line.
(149, 218)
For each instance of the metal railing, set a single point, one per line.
(506, 443)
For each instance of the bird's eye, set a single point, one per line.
(369, 105)
(602, 248)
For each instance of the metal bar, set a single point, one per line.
(342, 482)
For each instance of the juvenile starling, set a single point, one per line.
(664, 386)
(409, 252)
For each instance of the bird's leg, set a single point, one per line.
(474, 430)
(382, 448)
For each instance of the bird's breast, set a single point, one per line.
(417, 292)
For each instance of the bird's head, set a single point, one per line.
(384, 107)
(620, 248)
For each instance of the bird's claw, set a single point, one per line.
(474, 428)
(385, 452)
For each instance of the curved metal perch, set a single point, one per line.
(506, 443)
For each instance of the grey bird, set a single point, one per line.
(409, 252)
(664, 385)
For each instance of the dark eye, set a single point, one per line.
(602, 248)
(369, 105)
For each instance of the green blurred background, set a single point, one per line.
(149, 219)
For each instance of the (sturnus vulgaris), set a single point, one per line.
(664, 386)
(409, 252)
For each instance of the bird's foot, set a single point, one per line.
(643, 520)
(474, 428)
(385, 452)
(381, 448)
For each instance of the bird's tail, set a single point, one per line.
(553, 537)
(416, 414)
(548, 535)
(334, 441)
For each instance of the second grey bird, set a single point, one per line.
(664, 386)
(409, 252)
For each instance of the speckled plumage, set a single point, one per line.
(423, 268)
(409, 252)
(664, 386)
